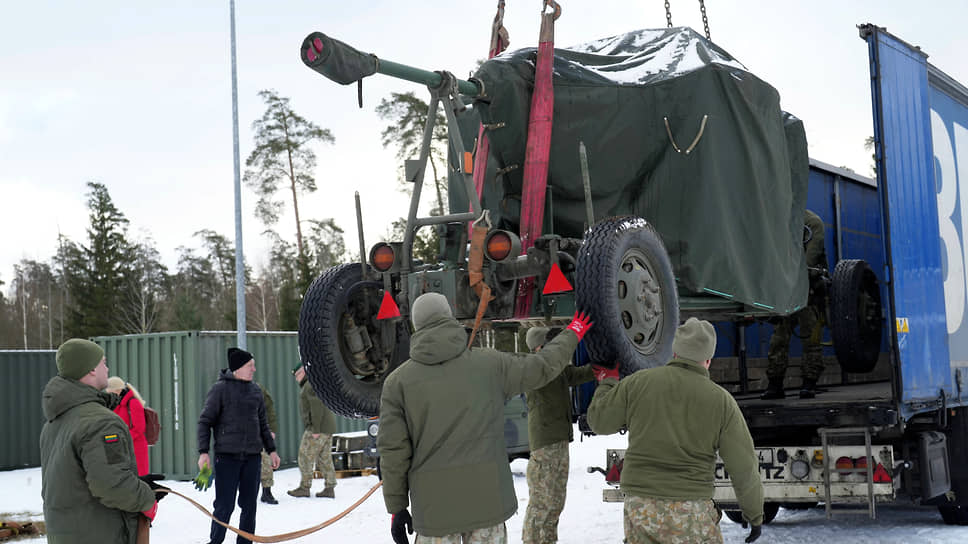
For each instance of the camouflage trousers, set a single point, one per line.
(547, 482)
(661, 521)
(312, 449)
(266, 470)
(497, 534)
(811, 364)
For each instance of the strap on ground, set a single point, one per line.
(285, 536)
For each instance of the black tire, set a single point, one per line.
(348, 387)
(770, 510)
(855, 316)
(953, 514)
(624, 280)
(956, 512)
(799, 505)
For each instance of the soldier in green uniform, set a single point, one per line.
(549, 432)
(678, 419)
(267, 471)
(808, 319)
(441, 437)
(317, 439)
(90, 485)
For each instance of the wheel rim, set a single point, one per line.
(639, 301)
(358, 308)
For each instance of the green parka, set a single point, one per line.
(315, 416)
(677, 420)
(549, 408)
(90, 484)
(441, 437)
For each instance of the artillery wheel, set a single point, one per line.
(770, 510)
(334, 304)
(624, 280)
(855, 315)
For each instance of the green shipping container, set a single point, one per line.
(25, 373)
(173, 372)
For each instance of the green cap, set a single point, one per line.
(77, 357)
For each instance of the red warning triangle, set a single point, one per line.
(881, 475)
(556, 282)
(388, 308)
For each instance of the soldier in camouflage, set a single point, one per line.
(317, 439)
(266, 460)
(808, 319)
(549, 432)
(677, 420)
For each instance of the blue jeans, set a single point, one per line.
(238, 472)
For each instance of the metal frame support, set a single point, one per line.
(446, 93)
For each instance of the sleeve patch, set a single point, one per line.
(110, 438)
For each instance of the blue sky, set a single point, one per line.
(138, 96)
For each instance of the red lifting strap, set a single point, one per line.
(538, 150)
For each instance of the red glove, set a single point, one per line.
(580, 324)
(602, 372)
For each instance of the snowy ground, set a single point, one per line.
(586, 519)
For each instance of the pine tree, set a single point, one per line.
(98, 271)
(283, 158)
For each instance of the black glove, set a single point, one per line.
(398, 522)
(152, 481)
(755, 531)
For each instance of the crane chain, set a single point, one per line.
(668, 15)
(705, 20)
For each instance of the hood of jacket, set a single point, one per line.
(61, 394)
(439, 341)
(227, 375)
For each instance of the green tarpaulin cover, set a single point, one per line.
(730, 211)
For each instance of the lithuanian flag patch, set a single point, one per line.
(109, 438)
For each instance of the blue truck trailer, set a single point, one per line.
(898, 432)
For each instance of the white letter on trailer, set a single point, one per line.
(946, 181)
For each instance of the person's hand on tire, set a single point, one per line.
(580, 324)
(400, 524)
(602, 372)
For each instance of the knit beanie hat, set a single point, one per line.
(77, 357)
(695, 340)
(429, 307)
(238, 358)
(536, 337)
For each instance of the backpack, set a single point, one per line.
(152, 424)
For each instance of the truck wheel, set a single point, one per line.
(345, 355)
(770, 510)
(855, 315)
(624, 280)
(956, 512)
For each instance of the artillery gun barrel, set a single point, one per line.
(344, 65)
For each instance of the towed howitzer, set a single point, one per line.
(344, 64)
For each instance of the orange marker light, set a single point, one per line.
(499, 246)
(468, 163)
(382, 257)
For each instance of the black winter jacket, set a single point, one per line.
(235, 410)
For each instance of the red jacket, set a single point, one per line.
(136, 425)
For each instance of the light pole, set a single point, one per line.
(239, 258)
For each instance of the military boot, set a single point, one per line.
(267, 496)
(774, 390)
(808, 389)
(299, 492)
(327, 492)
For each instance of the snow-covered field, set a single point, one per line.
(586, 519)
